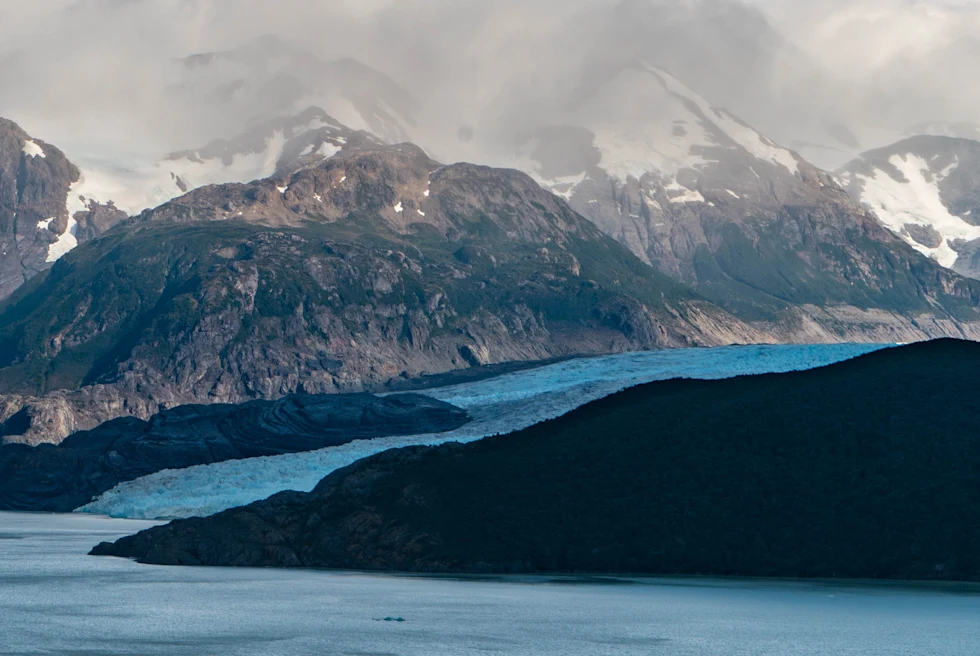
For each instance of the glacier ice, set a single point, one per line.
(498, 405)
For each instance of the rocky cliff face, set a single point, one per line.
(64, 477)
(374, 265)
(40, 220)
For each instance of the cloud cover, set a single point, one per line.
(101, 76)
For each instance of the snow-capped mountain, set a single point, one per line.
(267, 105)
(661, 128)
(925, 189)
(714, 203)
(48, 205)
(261, 151)
(268, 78)
(663, 154)
(278, 107)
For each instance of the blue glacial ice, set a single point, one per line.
(497, 405)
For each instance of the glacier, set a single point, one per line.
(497, 405)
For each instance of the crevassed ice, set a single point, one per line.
(497, 405)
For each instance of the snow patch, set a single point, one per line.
(32, 149)
(563, 186)
(917, 201)
(677, 193)
(65, 243)
(282, 190)
(399, 208)
(327, 150)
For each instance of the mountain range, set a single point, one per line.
(318, 250)
(308, 256)
(233, 291)
(368, 266)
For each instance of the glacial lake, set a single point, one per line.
(54, 599)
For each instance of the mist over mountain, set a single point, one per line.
(828, 78)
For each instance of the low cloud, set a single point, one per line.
(101, 76)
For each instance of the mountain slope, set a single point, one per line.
(375, 264)
(750, 225)
(926, 189)
(793, 475)
(42, 215)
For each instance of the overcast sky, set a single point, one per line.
(87, 71)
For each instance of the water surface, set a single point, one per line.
(56, 600)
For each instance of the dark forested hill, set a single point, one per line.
(869, 468)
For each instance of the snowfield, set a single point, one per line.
(916, 200)
(661, 127)
(497, 405)
(32, 149)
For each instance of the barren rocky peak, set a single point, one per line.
(401, 185)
